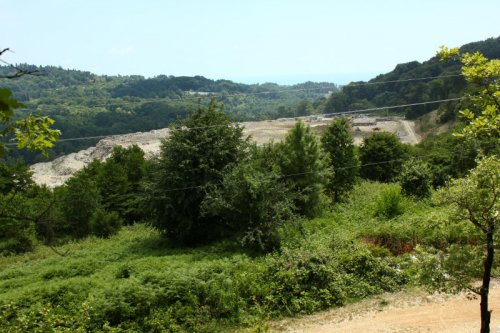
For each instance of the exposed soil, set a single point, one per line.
(401, 312)
(56, 172)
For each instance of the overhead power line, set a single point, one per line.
(399, 106)
(324, 114)
(291, 175)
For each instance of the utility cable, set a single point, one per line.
(291, 175)
(238, 123)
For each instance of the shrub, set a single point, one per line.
(416, 179)
(390, 203)
(253, 201)
(105, 224)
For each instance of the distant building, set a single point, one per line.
(365, 121)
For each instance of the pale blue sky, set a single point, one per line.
(247, 41)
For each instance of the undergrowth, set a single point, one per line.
(134, 282)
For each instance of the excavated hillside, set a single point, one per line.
(56, 172)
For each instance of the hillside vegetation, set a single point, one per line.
(85, 104)
(217, 233)
(133, 282)
(445, 81)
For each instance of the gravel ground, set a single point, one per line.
(413, 311)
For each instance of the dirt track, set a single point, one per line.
(401, 312)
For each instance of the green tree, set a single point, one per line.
(416, 179)
(305, 167)
(477, 199)
(337, 102)
(253, 201)
(18, 216)
(337, 142)
(196, 155)
(78, 199)
(484, 117)
(382, 156)
(114, 187)
(31, 132)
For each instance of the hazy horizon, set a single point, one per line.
(273, 40)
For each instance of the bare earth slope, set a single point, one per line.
(401, 312)
(56, 172)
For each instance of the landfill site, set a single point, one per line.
(56, 172)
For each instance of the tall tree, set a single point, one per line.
(477, 196)
(477, 199)
(198, 152)
(338, 143)
(305, 168)
(79, 199)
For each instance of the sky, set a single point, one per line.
(253, 41)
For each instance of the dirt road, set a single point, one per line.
(413, 138)
(402, 312)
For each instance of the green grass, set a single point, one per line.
(134, 282)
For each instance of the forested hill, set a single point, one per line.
(84, 104)
(360, 95)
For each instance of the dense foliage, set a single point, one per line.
(382, 156)
(338, 143)
(208, 289)
(84, 104)
(193, 158)
(444, 82)
(270, 243)
(253, 200)
(415, 179)
(305, 167)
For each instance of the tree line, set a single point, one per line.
(209, 182)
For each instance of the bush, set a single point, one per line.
(18, 242)
(390, 203)
(382, 156)
(253, 201)
(105, 224)
(416, 179)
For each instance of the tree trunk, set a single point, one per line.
(485, 288)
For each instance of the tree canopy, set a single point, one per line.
(338, 143)
(382, 155)
(196, 155)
